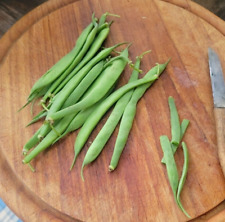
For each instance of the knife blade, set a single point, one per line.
(218, 91)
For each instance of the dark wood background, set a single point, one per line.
(12, 10)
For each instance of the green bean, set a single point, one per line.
(183, 178)
(175, 123)
(103, 18)
(184, 125)
(49, 138)
(32, 141)
(40, 115)
(97, 43)
(95, 117)
(75, 62)
(171, 166)
(111, 123)
(128, 117)
(99, 88)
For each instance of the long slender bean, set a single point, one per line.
(175, 123)
(183, 126)
(171, 166)
(32, 141)
(111, 123)
(183, 178)
(95, 117)
(99, 88)
(40, 115)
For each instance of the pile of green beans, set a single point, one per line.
(78, 91)
(169, 148)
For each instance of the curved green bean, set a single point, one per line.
(183, 178)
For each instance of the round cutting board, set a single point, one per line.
(139, 189)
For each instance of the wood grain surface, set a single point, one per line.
(139, 188)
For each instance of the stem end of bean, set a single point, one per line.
(82, 173)
(111, 168)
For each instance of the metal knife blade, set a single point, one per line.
(218, 88)
(217, 79)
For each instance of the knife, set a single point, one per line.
(218, 90)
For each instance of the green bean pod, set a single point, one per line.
(129, 114)
(111, 123)
(102, 19)
(175, 123)
(171, 166)
(32, 141)
(183, 178)
(99, 88)
(40, 115)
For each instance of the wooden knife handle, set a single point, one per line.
(220, 129)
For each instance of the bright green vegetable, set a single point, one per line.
(175, 123)
(171, 166)
(183, 178)
(170, 148)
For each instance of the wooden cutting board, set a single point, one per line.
(139, 189)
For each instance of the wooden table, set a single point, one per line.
(47, 213)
